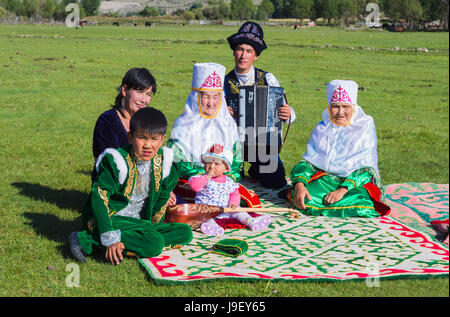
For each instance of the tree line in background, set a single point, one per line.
(338, 11)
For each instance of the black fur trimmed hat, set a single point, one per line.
(249, 33)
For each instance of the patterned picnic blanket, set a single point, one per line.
(320, 248)
(417, 204)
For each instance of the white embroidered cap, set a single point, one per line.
(342, 91)
(208, 76)
(194, 132)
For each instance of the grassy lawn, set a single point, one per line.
(55, 82)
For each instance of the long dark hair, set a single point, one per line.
(137, 79)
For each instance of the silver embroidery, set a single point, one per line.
(139, 197)
(110, 237)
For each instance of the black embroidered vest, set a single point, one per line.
(231, 87)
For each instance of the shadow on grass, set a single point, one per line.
(49, 225)
(53, 228)
(84, 172)
(62, 198)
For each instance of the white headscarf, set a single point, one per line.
(340, 150)
(194, 132)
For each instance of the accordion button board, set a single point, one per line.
(259, 123)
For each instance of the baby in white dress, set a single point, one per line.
(215, 188)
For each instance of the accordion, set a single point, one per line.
(258, 122)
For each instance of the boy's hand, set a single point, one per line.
(233, 206)
(114, 253)
(172, 200)
(285, 112)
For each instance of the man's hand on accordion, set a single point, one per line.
(285, 112)
(233, 114)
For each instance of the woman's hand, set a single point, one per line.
(335, 196)
(172, 200)
(299, 196)
(114, 253)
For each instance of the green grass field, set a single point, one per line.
(55, 81)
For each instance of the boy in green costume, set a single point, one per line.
(128, 198)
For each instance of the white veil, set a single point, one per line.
(193, 132)
(340, 150)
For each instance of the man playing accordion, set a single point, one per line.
(247, 44)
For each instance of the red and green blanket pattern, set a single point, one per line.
(402, 244)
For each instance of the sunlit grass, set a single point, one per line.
(55, 82)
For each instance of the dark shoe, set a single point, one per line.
(253, 170)
(284, 192)
(75, 247)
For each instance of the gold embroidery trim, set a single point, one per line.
(207, 89)
(234, 88)
(104, 196)
(261, 78)
(300, 177)
(158, 216)
(341, 125)
(350, 180)
(131, 176)
(343, 207)
(157, 160)
(200, 106)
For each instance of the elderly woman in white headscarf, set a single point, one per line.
(338, 175)
(205, 122)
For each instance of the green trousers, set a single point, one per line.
(140, 237)
(356, 203)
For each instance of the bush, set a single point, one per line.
(149, 12)
(2, 12)
(90, 6)
(188, 16)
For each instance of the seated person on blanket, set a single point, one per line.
(128, 199)
(215, 188)
(206, 121)
(338, 175)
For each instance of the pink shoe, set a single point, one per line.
(212, 228)
(259, 223)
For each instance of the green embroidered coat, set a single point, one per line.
(112, 189)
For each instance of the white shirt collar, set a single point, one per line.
(246, 79)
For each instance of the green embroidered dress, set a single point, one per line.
(356, 203)
(127, 204)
